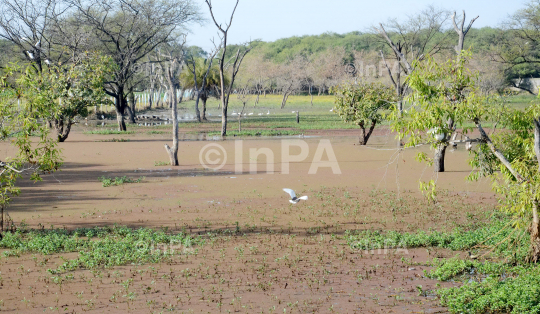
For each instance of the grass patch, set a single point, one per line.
(456, 240)
(161, 163)
(156, 132)
(99, 247)
(504, 286)
(108, 132)
(115, 140)
(503, 289)
(106, 181)
(258, 133)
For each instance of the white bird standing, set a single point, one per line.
(30, 55)
(295, 199)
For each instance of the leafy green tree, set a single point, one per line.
(449, 91)
(210, 77)
(22, 124)
(363, 104)
(72, 88)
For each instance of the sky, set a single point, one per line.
(270, 20)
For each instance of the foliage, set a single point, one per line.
(108, 132)
(99, 246)
(490, 287)
(212, 80)
(115, 140)
(457, 240)
(259, 133)
(67, 89)
(362, 104)
(107, 182)
(440, 92)
(21, 123)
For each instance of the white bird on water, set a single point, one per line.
(295, 199)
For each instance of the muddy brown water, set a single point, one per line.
(295, 258)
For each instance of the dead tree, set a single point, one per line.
(244, 96)
(172, 65)
(223, 64)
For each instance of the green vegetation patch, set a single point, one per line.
(118, 181)
(504, 286)
(258, 133)
(500, 233)
(108, 132)
(115, 140)
(99, 247)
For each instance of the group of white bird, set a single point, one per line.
(247, 114)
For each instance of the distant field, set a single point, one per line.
(267, 114)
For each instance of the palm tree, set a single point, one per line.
(212, 83)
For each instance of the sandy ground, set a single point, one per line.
(320, 272)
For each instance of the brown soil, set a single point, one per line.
(266, 255)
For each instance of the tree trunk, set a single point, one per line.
(365, 136)
(197, 111)
(173, 151)
(62, 130)
(224, 120)
(158, 100)
(119, 107)
(534, 254)
(204, 98)
(181, 98)
(284, 101)
(131, 108)
(239, 123)
(440, 153)
(438, 159)
(150, 99)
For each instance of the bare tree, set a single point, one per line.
(328, 69)
(519, 47)
(462, 31)
(244, 96)
(173, 60)
(291, 77)
(223, 64)
(128, 30)
(28, 24)
(413, 39)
